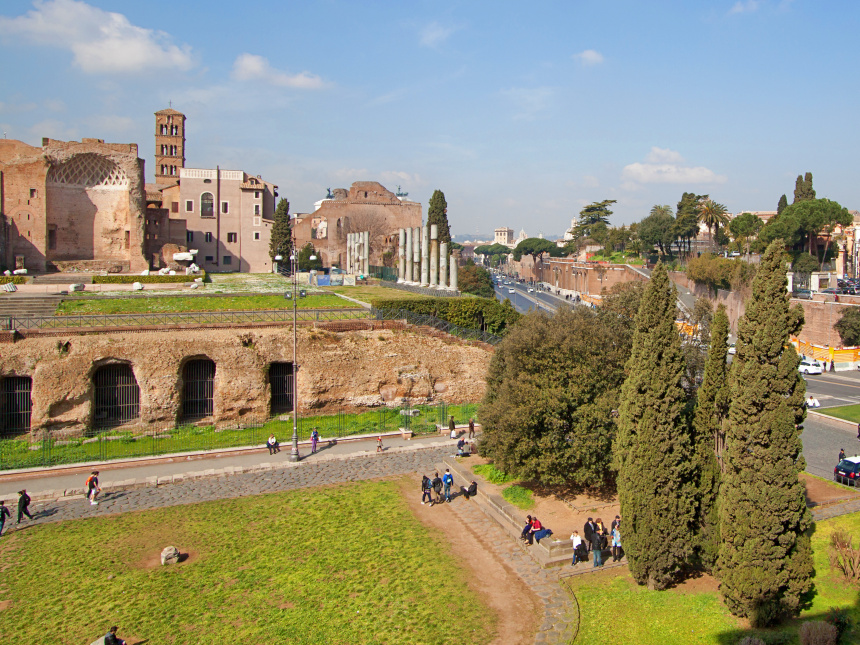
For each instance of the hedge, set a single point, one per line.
(14, 279)
(473, 313)
(147, 279)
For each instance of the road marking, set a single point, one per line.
(818, 380)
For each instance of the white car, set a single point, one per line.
(733, 349)
(514, 291)
(809, 367)
(531, 290)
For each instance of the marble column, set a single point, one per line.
(409, 253)
(416, 254)
(365, 249)
(348, 253)
(401, 255)
(425, 256)
(434, 255)
(455, 256)
(443, 265)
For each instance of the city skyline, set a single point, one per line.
(519, 118)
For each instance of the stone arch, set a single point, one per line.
(115, 393)
(197, 387)
(16, 404)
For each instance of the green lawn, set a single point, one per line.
(16, 453)
(613, 604)
(848, 412)
(161, 304)
(368, 293)
(341, 565)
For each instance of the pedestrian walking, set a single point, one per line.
(471, 428)
(452, 427)
(379, 443)
(616, 543)
(437, 488)
(447, 480)
(23, 505)
(4, 513)
(273, 445)
(841, 455)
(315, 437)
(426, 490)
(93, 488)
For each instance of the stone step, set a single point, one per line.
(62, 278)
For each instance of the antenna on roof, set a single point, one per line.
(170, 103)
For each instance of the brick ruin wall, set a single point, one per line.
(354, 368)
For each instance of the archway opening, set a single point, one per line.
(198, 376)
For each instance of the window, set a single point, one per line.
(163, 169)
(228, 259)
(163, 129)
(116, 396)
(209, 258)
(225, 207)
(189, 237)
(281, 383)
(208, 237)
(15, 404)
(189, 206)
(256, 235)
(174, 207)
(232, 237)
(256, 209)
(207, 205)
(199, 386)
(127, 239)
(256, 194)
(33, 193)
(52, 239)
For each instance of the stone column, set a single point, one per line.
(425, 256)
(348, 266)
(416, 254)
(409, 253)
(443, 265)
(401, 255)
(434, 255)
(455, 258)
(365, 248)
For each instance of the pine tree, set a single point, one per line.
(783, 204)
(652, 449)
(437, 211)
(281, 240)
(765, 560)
(803, 190)
(712, 408)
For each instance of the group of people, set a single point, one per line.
(23, 509)
(275, 447)
(534, 531)
(596, 538)
(441, 486)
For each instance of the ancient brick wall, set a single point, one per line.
(352, 368)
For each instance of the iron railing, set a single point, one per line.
(179, 318)
(426, 320)
(152, 440)
(116, 395)
(15, 404)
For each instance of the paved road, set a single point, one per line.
(834, 388)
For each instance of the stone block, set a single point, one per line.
(169, 555)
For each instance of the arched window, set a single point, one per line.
(198, 376)
(116, 396)
(15, 404)
(207, 205)
(281, 383)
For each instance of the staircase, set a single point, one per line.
(26, 306)
(63, 278)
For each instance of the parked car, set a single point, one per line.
(831, 291)
(809, 366)
(803, 294)
(733, 349)
(847, 471)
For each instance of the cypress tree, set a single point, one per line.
(652, 449)
(437, 211)
(712, 408)
(782, 205)
(765, 560)
(803, 190)
(281, 240)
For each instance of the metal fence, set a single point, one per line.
(125, 443)
(116, 395)
(183, 318)
(427, 320)
(424, 291)
(389, 274)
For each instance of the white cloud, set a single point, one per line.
(112, 123)
(529, 101)
(392, 177)
(589, 57)
(664, 166)
(55, 105)
(435, 34)
(53, 129)
(746, 6)
(100, 41)
(590, 181)
(250, 67)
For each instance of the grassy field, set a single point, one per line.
(848, 412)
(161, 304)
(612, 604)
(368, 293)
(340, 565)
(123, 444)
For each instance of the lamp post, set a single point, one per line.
(294, 263)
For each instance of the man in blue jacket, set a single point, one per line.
(447, 480)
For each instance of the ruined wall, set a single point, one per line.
(358, 368)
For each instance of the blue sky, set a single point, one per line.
(520, 112)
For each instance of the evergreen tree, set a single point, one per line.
(652, 449)
(437, 213)
(803, 190)
(281, 241)
(765, 560)
(712, 408)
(783, 204)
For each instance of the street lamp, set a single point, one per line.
(294, 453)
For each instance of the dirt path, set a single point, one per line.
(515, 605)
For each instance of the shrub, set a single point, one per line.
(472, 313)
(720, 273)
(840, 619)
(519, 497)
(817, 632)
(843, 556)
(492, 474)
(147, 279)
(14, 279)
(750, 640)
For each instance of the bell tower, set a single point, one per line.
(169, 145)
